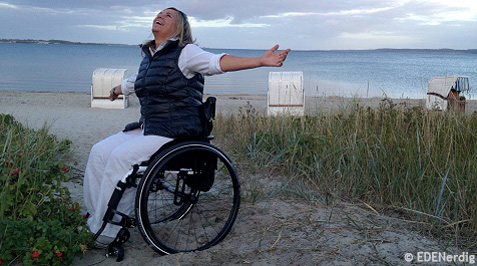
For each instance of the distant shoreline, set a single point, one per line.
(31, 41)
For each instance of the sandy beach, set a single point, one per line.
(268, 232)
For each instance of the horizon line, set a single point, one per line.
(65, 42)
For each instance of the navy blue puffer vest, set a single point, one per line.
(171, 104)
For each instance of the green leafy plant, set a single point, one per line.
(39, 223)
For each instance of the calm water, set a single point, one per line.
(397, 73)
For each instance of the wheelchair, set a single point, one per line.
(187, 197)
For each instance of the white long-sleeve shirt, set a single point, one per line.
(192, 60)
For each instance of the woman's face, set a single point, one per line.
(165, 22)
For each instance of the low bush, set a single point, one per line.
(39, 224)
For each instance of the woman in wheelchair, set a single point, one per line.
(174, 213)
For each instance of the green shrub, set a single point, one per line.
(38, 221)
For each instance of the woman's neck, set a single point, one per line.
(158, 40)
(158, 43)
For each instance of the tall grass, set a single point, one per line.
(397, 156)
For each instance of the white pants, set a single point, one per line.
(109, 161)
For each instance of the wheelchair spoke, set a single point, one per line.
(187, 236)
(205, 231)
(171, 230)
(161, 206)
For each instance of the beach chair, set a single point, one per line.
(443, 93)
(286, 94)
(103, 80)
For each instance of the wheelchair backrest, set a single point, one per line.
(208, 110)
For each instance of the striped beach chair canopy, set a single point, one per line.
(441, 87)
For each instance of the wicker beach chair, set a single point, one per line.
(444, 93)
(103, 80)
(286, 94)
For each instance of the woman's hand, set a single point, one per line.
(272, 58)
(114, 93)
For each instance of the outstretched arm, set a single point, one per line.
(269, 58)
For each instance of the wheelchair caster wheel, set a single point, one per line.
(117, 251)
(115, 248)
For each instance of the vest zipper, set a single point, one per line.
(146, 90)
(145, 75)
(149, 56)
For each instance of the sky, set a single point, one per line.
(253, 24)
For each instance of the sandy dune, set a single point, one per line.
(267, 232)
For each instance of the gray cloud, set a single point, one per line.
(301, 24)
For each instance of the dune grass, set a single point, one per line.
(422, 162)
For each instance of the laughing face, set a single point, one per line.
(165, 22)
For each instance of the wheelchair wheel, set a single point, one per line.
(188, 198)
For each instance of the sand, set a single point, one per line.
(268, 231)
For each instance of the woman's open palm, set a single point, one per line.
(274, 58)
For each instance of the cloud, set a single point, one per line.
(221, 23)
(7, 5)
(90, 4)
(300, 24)
(104, 27)
(437, 12)
(442, 17)
(338, 13)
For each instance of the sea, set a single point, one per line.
(347, 73)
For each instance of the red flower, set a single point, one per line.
(85, 216)
(64, 169)
(16, 171)
(72, 209)
(59, 254)
(1, 262)
(35, 255)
